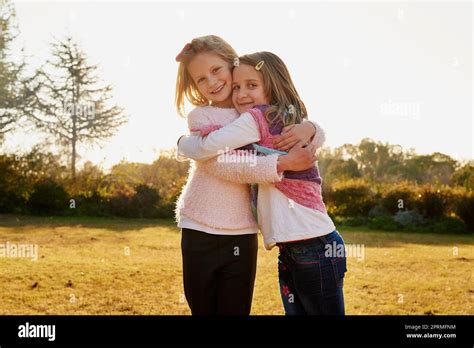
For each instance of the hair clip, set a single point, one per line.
(185, 48)
(259, 65)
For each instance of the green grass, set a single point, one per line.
(83, 269)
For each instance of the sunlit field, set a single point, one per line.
(125, 266)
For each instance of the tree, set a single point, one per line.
(13, 97)
(464, 176)
(376, 161)
(165, 174)
(70, 102)
(334, 167)
(20, 173)
(436, 167)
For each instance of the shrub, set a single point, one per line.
(145, 202)
(409, 218)
(432, 202)
(166, 210)
(401, 196)
(352, 198)
(449, 225)
(353, 221)
(378, 210)
(464, 208)
(11, 192)
(464, 176)
(11, 203)
(386, 223)
(91, 204)
(48, 198)
(120, 205)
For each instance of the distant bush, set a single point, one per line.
(40, 183)
(386, 223)
(399, 197)
(11, 203)
(449, 225)
(464, 176)
(432, 202)
(120, 205)
(145, 202)
(464, 208)
(352, 198)
(353, 221)
(378, 210)
(166, 210)
(48, 198)
(92, 204)
(445, 224)
(409, 218)
(11, 198)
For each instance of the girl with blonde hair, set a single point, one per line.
(219, 233)
(291, 212)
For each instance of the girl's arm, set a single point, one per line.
(242, 131)
(244, 167)
(306, 131)
(299, 157)
(320, 136)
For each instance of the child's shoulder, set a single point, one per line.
(211, 114)
(199, 115)
(205, 110)
(198, 111)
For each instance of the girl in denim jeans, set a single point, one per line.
(291, 212)
(311, 276)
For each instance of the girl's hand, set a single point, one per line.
(293, 134)
(298, 158)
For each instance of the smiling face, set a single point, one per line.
(213, 78)
(247, 88)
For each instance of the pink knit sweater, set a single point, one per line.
(216, 194)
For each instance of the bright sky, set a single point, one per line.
(390, 71)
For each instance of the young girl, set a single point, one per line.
(219, 233)
(291, 213)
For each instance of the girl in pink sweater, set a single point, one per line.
(291, 212)
(219, 232)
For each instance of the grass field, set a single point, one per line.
(108, 266)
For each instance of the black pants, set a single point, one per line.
(218, 272)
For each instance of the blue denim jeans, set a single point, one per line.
(311, 275)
